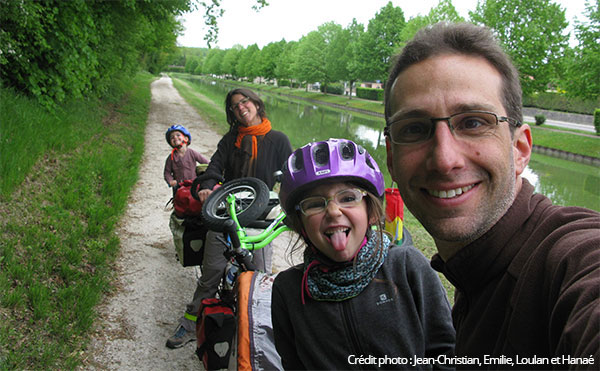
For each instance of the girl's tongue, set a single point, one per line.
(338, 240)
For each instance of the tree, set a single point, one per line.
(283, 69)
(531, 32)
(309, 65)
(380, 42)
(212, 64)
(444, 11)
(336, 52)
(583, 68)
(247, 65)
(230, 60)
(353, 67)
(212, 13)
(267, 60)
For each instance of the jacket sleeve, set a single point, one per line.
(168, 172)
(199, 157)
(283, 331)
(575, 313)
(432, 304)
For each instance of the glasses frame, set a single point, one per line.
(237, 105)
(514, 122)
(362, 192)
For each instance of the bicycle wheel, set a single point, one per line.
(252, 198)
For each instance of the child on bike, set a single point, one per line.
(357, 300)
(181, 163)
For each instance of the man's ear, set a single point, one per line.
(522, 145)
(389, 157)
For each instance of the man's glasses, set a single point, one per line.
(464, 125)
(318, 204)
(238, 104)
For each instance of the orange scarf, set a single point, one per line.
(261, 129)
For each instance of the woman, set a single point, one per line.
(249, 149)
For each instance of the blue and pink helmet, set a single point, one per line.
(181, 129)
(333, 159)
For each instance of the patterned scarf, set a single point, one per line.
(325, 280)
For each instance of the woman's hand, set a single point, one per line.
(203, 194)
(173, 183)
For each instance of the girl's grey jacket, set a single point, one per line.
(401, 320)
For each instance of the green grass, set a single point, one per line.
(566, 141)
(63, 190)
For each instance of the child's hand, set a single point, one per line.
(173, 183)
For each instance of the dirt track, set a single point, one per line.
(152, 288)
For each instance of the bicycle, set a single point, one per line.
(233, 208)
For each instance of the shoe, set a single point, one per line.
(180, 338)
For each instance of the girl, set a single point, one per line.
(357, 301)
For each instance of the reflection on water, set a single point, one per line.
(563, 182)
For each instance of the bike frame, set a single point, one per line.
(260, 240)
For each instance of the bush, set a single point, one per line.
(283, 82)
(597, 120)
(333, 89)
(540, 119)
(560, 102)
(370, 93)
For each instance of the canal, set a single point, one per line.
(565, 182)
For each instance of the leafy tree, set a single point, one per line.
(309, 65)
(212, 13)
(380, 42)
(283, 69)
(247, 65)
(213, 62)
(444, 11)
(230, 60)
(532, 33)
(336, 52)
(267, 60)
(583, 68)
(353, 66)
(54, 49)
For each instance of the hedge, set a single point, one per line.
(369, 93)
(560, 102)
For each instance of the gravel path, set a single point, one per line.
(152, 288)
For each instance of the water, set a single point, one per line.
(565, 182)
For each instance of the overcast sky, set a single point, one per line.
(292, 19)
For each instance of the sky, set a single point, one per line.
(292, 19)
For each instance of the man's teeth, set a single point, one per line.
(450, 193)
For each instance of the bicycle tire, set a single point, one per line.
(252, 196)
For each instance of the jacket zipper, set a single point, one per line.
(347, 312)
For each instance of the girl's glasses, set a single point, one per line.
(317, 204)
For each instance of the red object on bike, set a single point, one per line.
(394, 213)
(185, 205)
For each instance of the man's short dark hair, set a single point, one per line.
(460, 38)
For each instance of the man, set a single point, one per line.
(527, 273)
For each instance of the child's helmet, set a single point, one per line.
(181, 129)
(338, 159)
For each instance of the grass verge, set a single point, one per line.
(63, 190)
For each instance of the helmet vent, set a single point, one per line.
(321, 154)
(361, 150)
(369, 162)
(346, 151)
(297, 162)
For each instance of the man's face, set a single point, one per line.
(458, 188)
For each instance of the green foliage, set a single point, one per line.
(369, 93)
(583, 66)
(54, 50)
(337, 89)
(309, 65)
(597, 120)
(444, 11)
(540, 119)
(532, 32)
(380, 42)
(560, 102)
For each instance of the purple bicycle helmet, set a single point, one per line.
(338, 159)
(181, 129)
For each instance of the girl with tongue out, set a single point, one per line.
(358, 300)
